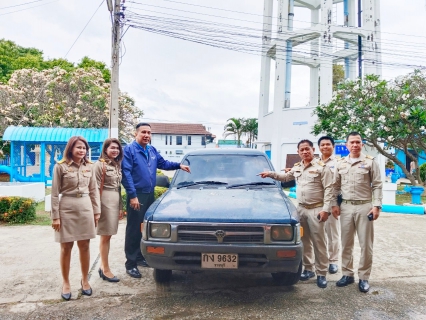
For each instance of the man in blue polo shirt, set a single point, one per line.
(139, 168)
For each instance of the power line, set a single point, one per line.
(394, 43)
(283, 18)
(84, 27)
(201, 32)
(10, 12)
(18, 5)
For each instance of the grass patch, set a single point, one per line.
(42, 217)
(406, 197)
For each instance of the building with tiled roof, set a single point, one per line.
(174, 140)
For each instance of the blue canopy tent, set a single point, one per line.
(34, 151)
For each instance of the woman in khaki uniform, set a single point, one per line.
(108, 175)
(76, 213)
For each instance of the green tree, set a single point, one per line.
(87, 63)
(14, 57)
(251, 130)
(235, 127)
(338, 75)
(389, 115)
(61, 63)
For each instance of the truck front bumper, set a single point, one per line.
(251, 257)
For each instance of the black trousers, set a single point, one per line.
(132, 244)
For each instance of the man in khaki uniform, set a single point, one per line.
(314, 195)
(332, 225)
(357, 177)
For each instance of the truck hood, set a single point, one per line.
(257, 205)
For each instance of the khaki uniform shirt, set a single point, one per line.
(330, 162)
(358, 181)
(314, 183)
(112, 178)
(70, 179)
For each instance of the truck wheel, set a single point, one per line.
(162, 276)
(287, 278)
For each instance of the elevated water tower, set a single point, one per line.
(355, 42)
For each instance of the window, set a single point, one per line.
(166, 140)
(225, 168)
(203, 140)
(189, 140)
(170, 140)
(179, 151)
(178, 140)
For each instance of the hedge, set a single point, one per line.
(17, 209)
(158, 192)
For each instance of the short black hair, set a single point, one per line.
(142, 124)
(305, 141)
(326, 138)
(353, 134)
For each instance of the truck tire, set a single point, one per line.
(162, 276)
(287, 278)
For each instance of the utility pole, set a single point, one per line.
(359, 42)
(114, 7)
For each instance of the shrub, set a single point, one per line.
(423, 172)
(389, 164)
(17, 209)
(158, 192)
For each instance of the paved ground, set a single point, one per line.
(30, 284)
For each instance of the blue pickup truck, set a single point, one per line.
(223, 217)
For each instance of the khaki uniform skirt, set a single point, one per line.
(110, 204)
(77, 219)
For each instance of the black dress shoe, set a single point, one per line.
(87, 292)
(321, 282)
(66, 296)
(333, 268)
(344, 281)
(104, 277)
(306, 275)
(134, 273)
(363, 285)
(142, 263)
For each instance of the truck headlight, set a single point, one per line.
(299, 234)
(282, 233)
(159, 230)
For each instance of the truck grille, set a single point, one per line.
(220, 234)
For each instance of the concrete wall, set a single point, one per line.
(282, 130)
(33, 190)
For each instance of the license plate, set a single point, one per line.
(219, 260)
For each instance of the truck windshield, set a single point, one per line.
(226, 169)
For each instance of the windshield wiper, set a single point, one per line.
(250, 184)
(201, 182)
